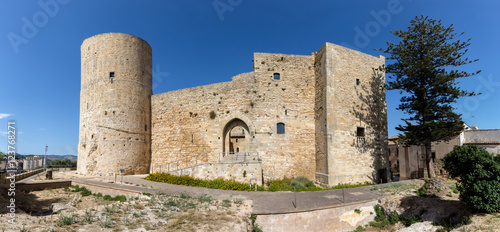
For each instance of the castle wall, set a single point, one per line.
(322, 115)
(320, 110)
(354, 98)
(115, 105)
(182, 127)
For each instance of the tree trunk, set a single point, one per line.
(428, 160)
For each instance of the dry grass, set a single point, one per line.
(157, 212)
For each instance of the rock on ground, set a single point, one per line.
(420, 227)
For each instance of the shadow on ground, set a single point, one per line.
(27, 202)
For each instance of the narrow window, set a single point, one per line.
(357, 81)
(286, 112)
(236, 140)
(276, 76)
(145, 127)
(280, 128)
(360, 132)
(360, 135)
(111, 76)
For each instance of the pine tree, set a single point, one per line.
(425, 72)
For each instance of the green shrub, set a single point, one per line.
(301, 182)
(478, 179)
(279, 185)
(381, 219)
(422, 191)
(359, 229)
(379, 211)
(411, 220)
(283, 184)
(107, 198)
(190, 181)
(84, 191)
(349, 185)
(449, 224)
(393, 218)
(120, 198)
(65, 220)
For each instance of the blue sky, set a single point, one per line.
(195, 43)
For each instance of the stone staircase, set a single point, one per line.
(176, 167)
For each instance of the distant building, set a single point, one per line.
(409, 161)
(32, 162)
(487, 138)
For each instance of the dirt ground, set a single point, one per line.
(155, 212)
(440, 204)
(160, 212)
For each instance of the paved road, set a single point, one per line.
(263, 202)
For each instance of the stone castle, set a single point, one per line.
(322, 116)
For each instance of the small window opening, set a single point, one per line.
(286, 112)
(237, 149)
(145, 127)
(280, 128)
(111, 76)
(360, 132)
(357, 81)
(276, 76)
(236, 140)
(282, 58)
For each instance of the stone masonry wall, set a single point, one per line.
(241, 172)
(354, 98)
(320, 110)
(182, 126)
(301, 113)
(115, 111)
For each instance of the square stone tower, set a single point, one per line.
(351, 116)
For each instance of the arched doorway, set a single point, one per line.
(236, 137)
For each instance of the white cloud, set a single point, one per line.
(42, 129)
(2, 115)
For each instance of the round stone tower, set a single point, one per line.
(115, 106)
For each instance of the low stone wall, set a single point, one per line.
(39, 186)
(241, 172)
(106, 190)
(343, 218)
